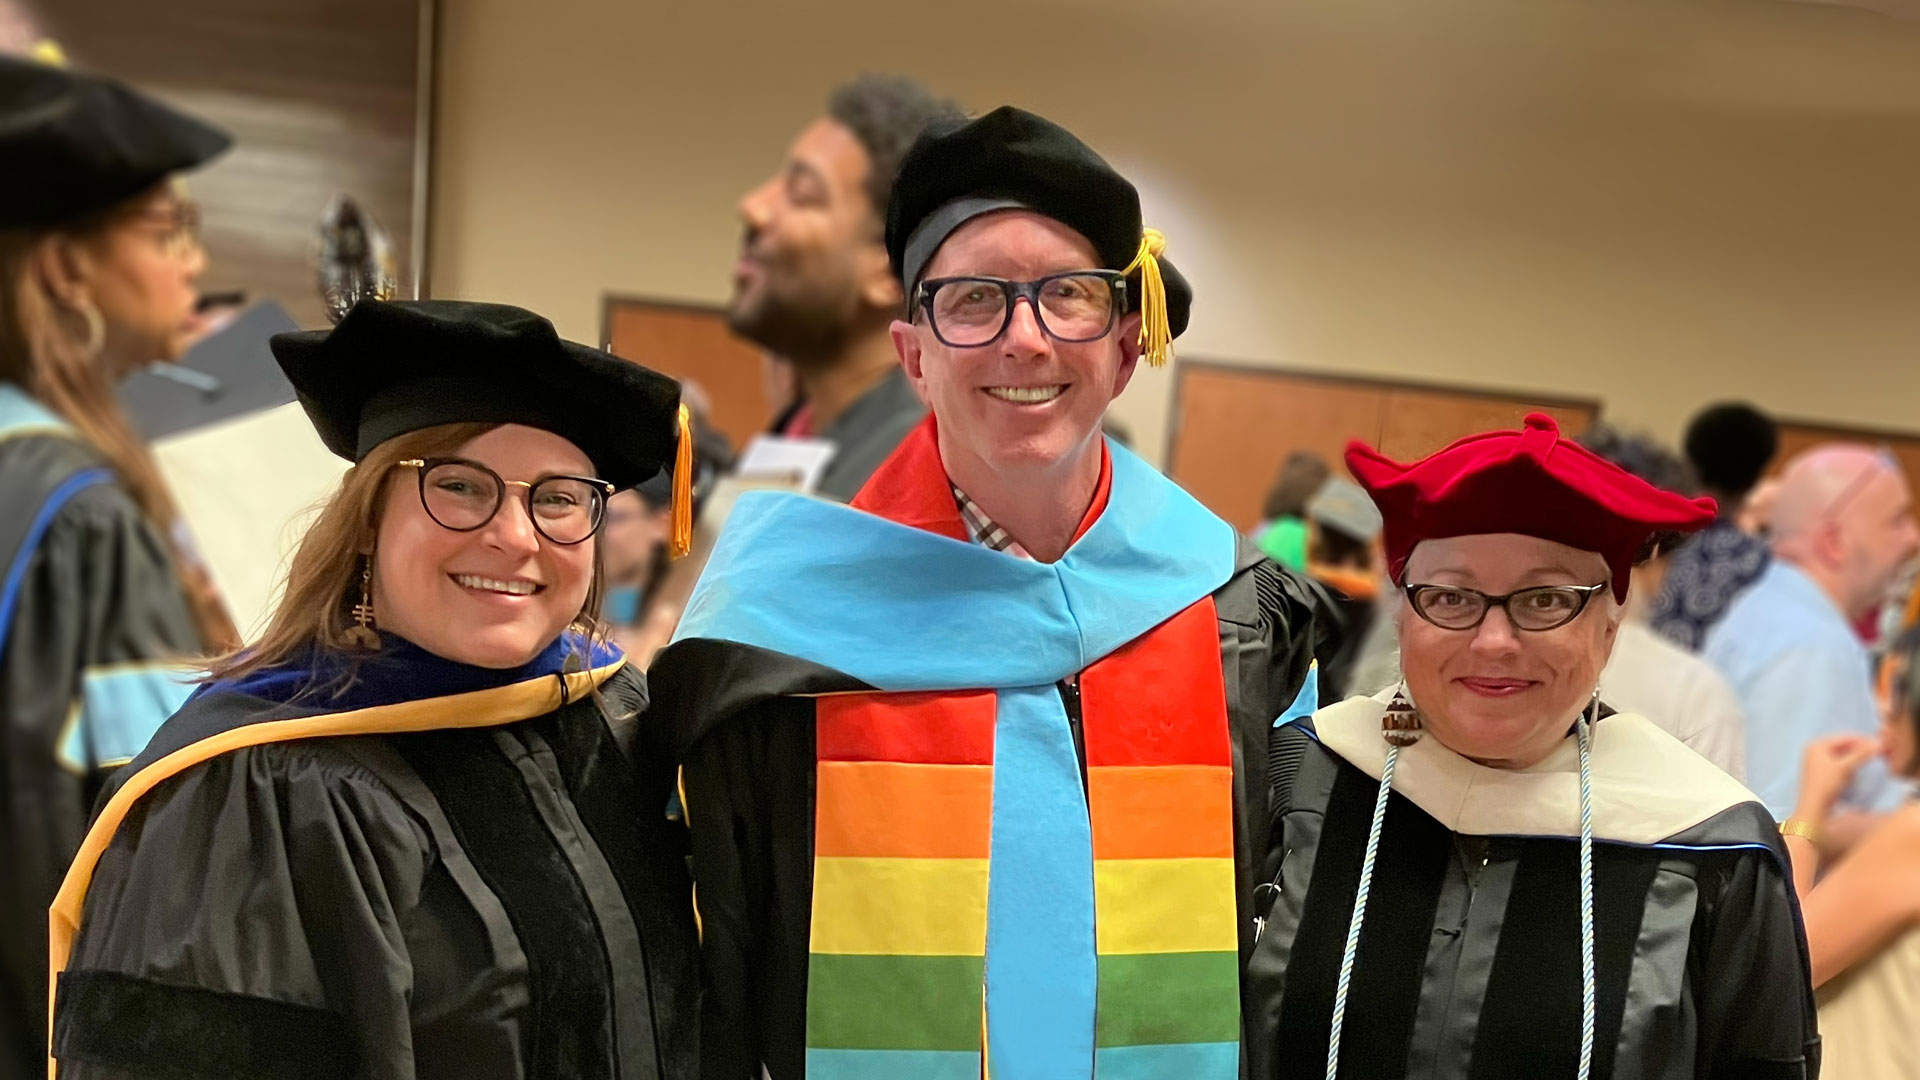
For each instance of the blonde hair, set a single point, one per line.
(324, 579)
(42, 351)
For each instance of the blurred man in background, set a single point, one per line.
(813, 285)
(1843, 529)
(1729, 447)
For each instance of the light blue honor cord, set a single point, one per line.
(1588, 1006)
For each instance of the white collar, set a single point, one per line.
(1647, 785)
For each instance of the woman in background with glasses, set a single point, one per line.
(416, 830)
(1485, 872)
(100, 593)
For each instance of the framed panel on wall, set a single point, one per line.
(691, 343)
(322, 97)
(1234, 425)
(1799, 435)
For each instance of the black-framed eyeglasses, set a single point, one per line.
(1546, 607)
(968, 312)
(463, 495)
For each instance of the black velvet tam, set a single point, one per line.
(1011, 159)
(71, 144)
(397, 366)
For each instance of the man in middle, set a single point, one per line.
(976, 767)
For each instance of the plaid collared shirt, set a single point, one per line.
(982, 529)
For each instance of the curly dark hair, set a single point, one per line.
(887, 113)
(1730, 445)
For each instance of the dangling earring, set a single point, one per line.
(1401, 725)
(363, 636)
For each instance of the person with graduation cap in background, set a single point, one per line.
(1486, 872)
(416, 829)
(101, 593)
(975, 767)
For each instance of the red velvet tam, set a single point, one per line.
(1531, 482)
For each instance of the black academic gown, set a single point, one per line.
(92, 620)
(495, 896)
(1469, 959)
(747, 723)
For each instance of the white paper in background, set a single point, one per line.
(248, 488)
(799, 462)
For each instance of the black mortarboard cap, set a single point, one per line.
(394, 366)
(1011, 159)
(74, 143)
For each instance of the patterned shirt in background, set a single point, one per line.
(982, 529)
(1704, 578)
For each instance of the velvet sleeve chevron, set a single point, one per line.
(255, 916)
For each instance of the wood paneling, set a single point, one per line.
(320, 96)
(1418, 422)
(1234, 426)
(1796, 436)
(691, 342)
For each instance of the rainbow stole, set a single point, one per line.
(970, 898)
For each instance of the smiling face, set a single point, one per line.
(1024, 400)
(1496, 694)
(493, 597)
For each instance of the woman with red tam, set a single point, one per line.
(1485, 871)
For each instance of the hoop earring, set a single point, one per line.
(363, 636)
(96, 339)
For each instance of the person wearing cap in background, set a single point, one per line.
(1342, 551)
(1648, 674)
(414, 830)
(975, 767)
(1729, 447)
(101, 592)
(1486, 872)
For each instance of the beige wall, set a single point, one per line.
(1651, 205)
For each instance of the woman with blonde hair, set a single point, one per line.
(415, 830)
(100, 594)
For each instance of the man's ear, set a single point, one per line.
(906, 345)
(1129, 343)
(64, 269)
(1830, 544)
(906, 342)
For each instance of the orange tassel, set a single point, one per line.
(683, 487)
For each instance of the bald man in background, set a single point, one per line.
(1842, 529)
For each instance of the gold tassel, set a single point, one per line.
(683, 487)
(1156, 336)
